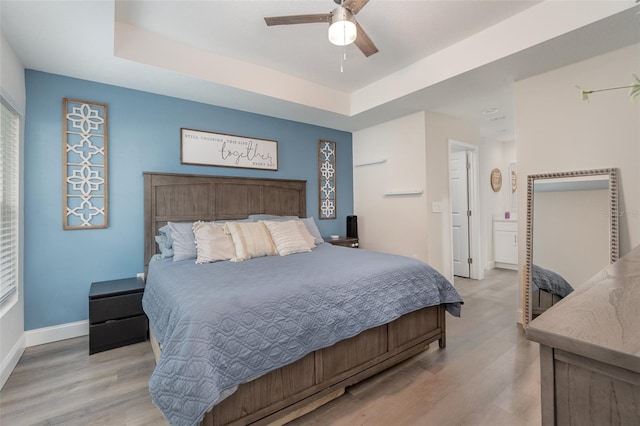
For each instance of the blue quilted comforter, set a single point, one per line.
(554, 283)
(223, 324)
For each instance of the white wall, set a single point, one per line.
(561, 218)
(439, 129)
(416, 148)
(557, 131)
(494, 204)
(12, 342)
(392, 224)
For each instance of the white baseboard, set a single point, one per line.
(12, 360)
(506, 266)
(54, 333)
(491, 265)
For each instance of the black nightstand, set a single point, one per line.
(116, 317)
(343, 241)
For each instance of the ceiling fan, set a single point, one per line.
(343, 27)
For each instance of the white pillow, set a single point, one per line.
(212, 243)
(287, 237)
(251, 239)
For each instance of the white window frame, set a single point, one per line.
(9, 264)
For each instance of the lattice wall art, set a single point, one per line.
(84, 136)
(327, 179)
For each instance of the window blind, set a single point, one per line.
(9, 125)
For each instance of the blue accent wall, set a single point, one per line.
(143, 135)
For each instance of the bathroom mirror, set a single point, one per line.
(572, 233)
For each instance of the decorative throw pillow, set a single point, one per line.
(212, 243)
(287, 237)
(251, 239)
(183, 240)
(311, 242)
(313, 229)
(164, 242)
(164, 246)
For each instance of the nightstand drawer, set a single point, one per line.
(113, 334)
(116, 307)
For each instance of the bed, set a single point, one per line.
(296, 381)
(547, 288)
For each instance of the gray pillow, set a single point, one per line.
(164, 242)
(183, 241)
(164, 246)
(313, 229)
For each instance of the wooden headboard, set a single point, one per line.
(187, 198)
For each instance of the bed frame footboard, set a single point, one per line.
(321, 376)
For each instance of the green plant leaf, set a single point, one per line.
(585, 93)
(634, 93)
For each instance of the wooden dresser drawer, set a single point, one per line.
(113, 334)
(116, 307)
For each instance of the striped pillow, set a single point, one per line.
(251, 239)
(287, 237)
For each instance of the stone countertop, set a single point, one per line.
(600, 319)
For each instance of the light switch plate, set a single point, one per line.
(436, 207)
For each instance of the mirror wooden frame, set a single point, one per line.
(612, 173)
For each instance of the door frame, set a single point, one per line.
(476, 271)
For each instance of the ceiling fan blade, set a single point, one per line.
(364, 43)
(355, 5)
(298, 19)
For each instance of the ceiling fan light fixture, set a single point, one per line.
(342, 28)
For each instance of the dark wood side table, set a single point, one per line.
(116, 317)
(343, 241)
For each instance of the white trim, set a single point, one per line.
(12, 102)
(369, 163)
(491, 265)
(12, 360)
(406, 192)
(54, 333)
(506, 266)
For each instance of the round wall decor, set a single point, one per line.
(496, 180)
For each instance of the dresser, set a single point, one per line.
(590, 350)
(116, 317)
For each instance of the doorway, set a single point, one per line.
(465, 212)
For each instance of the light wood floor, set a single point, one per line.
(487, 375)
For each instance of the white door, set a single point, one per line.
(459, 212)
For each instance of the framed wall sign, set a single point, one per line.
(217, 149)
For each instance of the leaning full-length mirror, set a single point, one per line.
(572, 233)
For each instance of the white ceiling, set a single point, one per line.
(452, 57)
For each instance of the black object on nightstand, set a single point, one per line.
(116, 317)
(343, 241)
